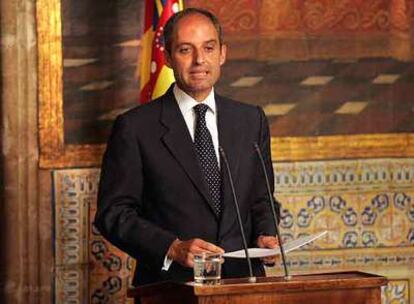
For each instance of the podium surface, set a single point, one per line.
(338, 288)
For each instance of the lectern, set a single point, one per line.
(337, 288)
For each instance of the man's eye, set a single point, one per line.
(184, 50)
(209, 48)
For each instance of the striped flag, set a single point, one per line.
(156, 77)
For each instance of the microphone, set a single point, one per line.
(252, 279)
(272, 205)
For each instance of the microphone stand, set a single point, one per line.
(272, 206)
(252, 279)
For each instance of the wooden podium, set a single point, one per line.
(337, 288)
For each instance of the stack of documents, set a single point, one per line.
(266, 252)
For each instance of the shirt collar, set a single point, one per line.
(186, 102)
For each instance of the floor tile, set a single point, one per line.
(278, 109)
(386, 79)
(316, 80)
(247, 81)
(352, 107)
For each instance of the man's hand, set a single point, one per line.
(183, 252)
(265, 241)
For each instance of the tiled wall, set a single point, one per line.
(367, 207)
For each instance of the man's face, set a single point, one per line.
(196, 55)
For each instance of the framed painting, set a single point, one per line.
(88, 74)
(332, 87)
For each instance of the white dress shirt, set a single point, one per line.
(186, 103)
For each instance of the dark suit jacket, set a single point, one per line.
(152, 190)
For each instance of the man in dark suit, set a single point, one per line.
(164, 194)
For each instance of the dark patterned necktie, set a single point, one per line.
(207, 156)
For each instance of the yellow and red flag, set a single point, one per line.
(155, 76)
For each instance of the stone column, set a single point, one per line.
(19, 211)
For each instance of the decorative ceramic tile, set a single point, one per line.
(71, 284)
(343, 176)
(352, 107)
(397, 291)
(88, 269)
(366, 206)
(352, 220)
(345, 200)
(246, 82)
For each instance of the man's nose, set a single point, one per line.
(199, 57)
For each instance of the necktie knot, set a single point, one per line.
(201, 110)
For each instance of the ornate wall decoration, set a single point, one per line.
(401, 15)
(88, 268)
(370, 220)
(397, 291)
(314, 16)
(236, 16)
(367, 206)
(361, 203)
(346, 15)
(280, 15)
(393, 263)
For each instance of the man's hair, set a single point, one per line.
(171, 24)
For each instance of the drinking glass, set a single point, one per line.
(207, 268)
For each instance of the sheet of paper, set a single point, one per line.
(265, 252)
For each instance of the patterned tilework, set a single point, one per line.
(313, 259)
(366, 205)
(71, 240)
(88, 269)
(397, 291)
(352, 220)
(348, 176)
(361, 204)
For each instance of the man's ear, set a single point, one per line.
(223, 54)
(167, 57)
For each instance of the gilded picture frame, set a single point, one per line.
(55, 153)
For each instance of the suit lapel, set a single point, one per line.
(230, 134)
(230, 139)
(178, 141)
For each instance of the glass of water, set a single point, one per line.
(207, 268)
